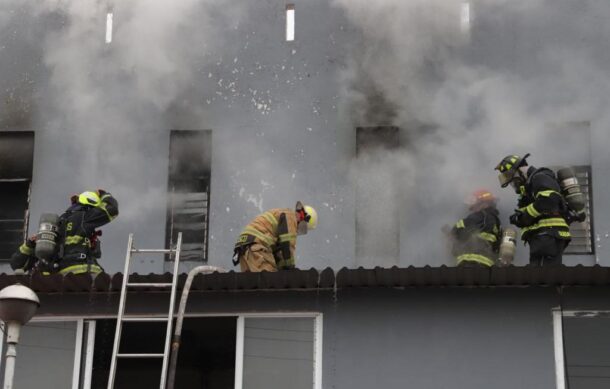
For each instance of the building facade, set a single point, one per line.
(382, 115)
(197, 118)
(394, 328)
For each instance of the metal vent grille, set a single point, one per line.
(189, 215)
(582, 233)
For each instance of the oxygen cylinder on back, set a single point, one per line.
(508, 245)
(46, 238)
(570, 189)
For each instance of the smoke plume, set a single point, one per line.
(513, 80)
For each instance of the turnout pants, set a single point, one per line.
(257, 257)
(546, 250)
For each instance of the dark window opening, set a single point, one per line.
(189, 192)
(582, 233)
(587, 352)
(206, 358)
(16, 163)
(377, 217)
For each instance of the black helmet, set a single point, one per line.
(508, 167)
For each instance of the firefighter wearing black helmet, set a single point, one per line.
(542, 212)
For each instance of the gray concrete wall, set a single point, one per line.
(393, 338)
(283, 114)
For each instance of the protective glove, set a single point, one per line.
(101, 192)
(31, 242)
(519, 219)
(576, 217)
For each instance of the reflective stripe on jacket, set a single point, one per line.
(483, 260)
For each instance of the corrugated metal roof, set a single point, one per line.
(328, 279)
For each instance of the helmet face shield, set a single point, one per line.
(509, 167)
(302, 227)
(506, 178)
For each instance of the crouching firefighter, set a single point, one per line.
(268, 243)
(543, 214)
(476, 238)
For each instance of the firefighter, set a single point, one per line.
(269, 241)
(78, 245)
(476, 238)
(542, 215)
(81, 249)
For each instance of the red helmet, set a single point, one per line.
(479, 197)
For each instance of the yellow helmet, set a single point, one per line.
(89, 198)
(311, 217)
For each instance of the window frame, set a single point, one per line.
(177, 135)
(21, 170)
(84, 360)
(372, 140)
(79, 341)
(317, 342)
(558, 316)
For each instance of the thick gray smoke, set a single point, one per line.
(101, 104)
(514, 81)
(462, 98)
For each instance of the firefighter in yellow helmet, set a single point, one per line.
(269, 241)
(78, 244)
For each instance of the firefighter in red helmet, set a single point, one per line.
(476, 238)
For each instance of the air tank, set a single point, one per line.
(570, 189)
(508, 245)
(46, 238)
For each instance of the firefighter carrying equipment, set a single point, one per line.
(78, 248)
(476, 238)
(542, 208)
(80, 221)
(269, 241)
(509, 171)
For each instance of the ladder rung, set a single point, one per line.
(161, 355)
(150, 284)
(144, 251)
(144, 319)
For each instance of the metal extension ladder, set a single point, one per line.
(121, 314)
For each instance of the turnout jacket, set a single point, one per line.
(544, 209)
(276, 229)
(476, 238)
